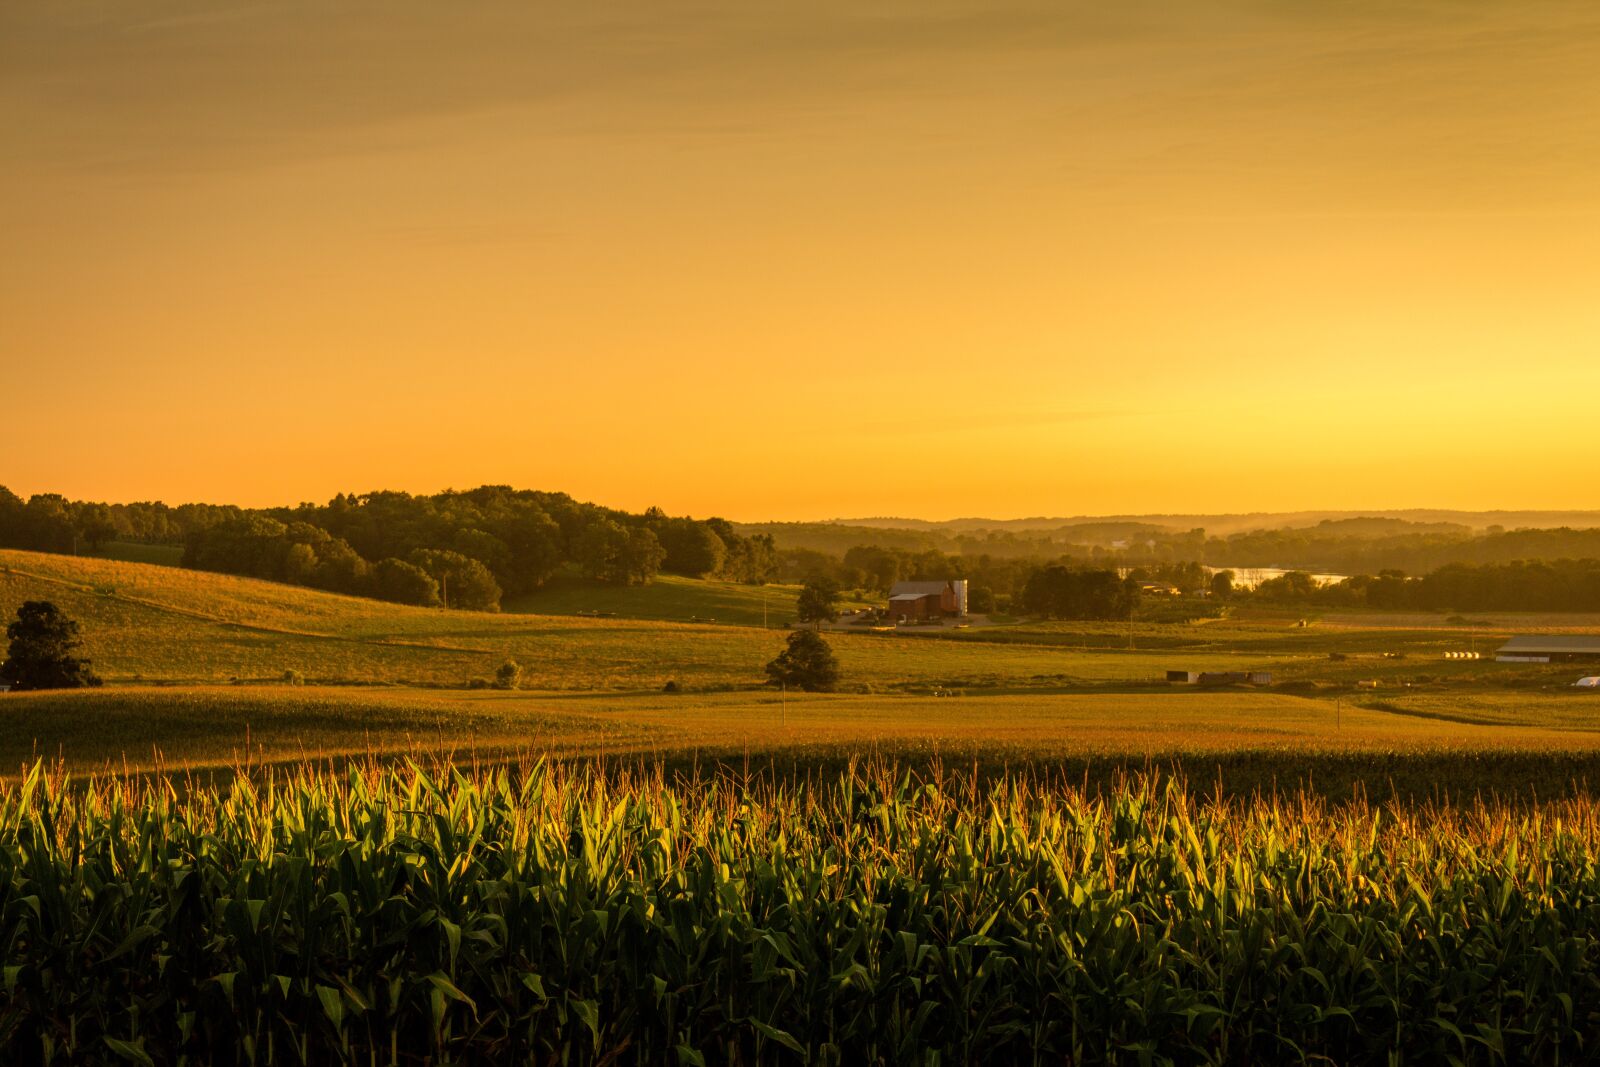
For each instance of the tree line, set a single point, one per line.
(49, 522)
(1519, 585)
(456, 549)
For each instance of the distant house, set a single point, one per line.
(1550, 648)
(928, 600)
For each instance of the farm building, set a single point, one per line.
(1549, 648)
(928, 600)
(1219, 677)
(1235, 678)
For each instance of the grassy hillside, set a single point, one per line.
(151, 623)
(137, 552)
(669, 598)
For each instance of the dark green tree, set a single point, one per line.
(641, 560)
(806, 663)
(691, 548)
(40, 654)
(95, 525)
(404, 583)
(612, 552)
(463, 583)
(1062, 592)
(1292, 587)
(818, 602)
(1222, 585)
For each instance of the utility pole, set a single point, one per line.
(444, 590)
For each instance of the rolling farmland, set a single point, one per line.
(963, 851)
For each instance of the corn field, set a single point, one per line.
(395, 914)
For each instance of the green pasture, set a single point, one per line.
(669, 598)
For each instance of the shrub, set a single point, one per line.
(509, 675)
(293, 677)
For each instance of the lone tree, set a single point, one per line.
(509, 676)
(1222, 585)
(818, 602)
(42, 640)
(807, 663)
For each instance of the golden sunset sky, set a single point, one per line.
(806, 259)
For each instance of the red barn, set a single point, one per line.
(928, 600)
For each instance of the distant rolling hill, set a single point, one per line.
(1221, 524)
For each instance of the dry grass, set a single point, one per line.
(211, 727)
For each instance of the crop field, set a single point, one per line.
(385, 914)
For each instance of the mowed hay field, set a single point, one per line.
(1235, 741)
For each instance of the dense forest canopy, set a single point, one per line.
(458, 549)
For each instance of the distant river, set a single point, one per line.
(1250, 577)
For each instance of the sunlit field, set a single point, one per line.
(197, 664)
(1236, 741)
(151, 623)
